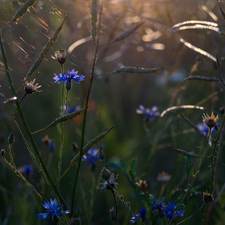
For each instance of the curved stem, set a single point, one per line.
(115, 204)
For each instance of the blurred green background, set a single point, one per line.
(113, 101)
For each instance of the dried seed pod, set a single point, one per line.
(128, 32)
(135, 70)
(60, 56)
(45, 49)
(23, 9)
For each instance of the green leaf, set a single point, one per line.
(123, 164)
(114, 165)
(152, 198)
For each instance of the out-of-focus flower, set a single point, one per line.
(149, 114)
(112, 214)
(171, 208)
(91, 157)
(49, 142)
(60, 56)
(111, 181)
(205, 129)
(163, 177)
(207, 197)
(142, 185)
(69, 109)
(141, 215)
(31, 87)
(210, 121)
(68, 77)
(53, 211)
(25, 170)
(160, 207)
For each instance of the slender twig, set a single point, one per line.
(85, 111)
(115, 204)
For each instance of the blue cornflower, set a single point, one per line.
(171, 208)
(141, 215)
(51, 144)
(91, 157)
(53, 211)
(73, 109)
(160, 207)
(27, 170)
(149, 114)
(68, 77)
(204, 129)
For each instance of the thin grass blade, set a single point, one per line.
(45, 50)
(79, 42)
(199, 26)
(189, 45)
(221, 10)
(195, 22)
(202, 78)
(219, 70)
(182, 107)
(94, 15)
(188, 154)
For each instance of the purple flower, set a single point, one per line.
(53, 211)
(91, 157)
(149, 114)
(73, 109)
(160, 207)
(141, 215)
(171, 208)
(204, 129)
(68, 77)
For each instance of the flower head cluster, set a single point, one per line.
(142, 185)
(68, 77)
(205, 129)
(160, 207)
(149, 114)
(163, 177)
(109, 183)
(91, 157)
(171, 208)
(210, 121)
(141, 215)
(53, 211)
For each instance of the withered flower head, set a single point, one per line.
(30, 87)
(46, 140)
(210, 121)
(60, 56)
(207, 197)
(142, 185)
(163, 177)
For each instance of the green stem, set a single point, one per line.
(85, 111)
(61, 130)
(26, 125)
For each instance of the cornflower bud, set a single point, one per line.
(11, 138)
(60, 56)
(105, 174)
